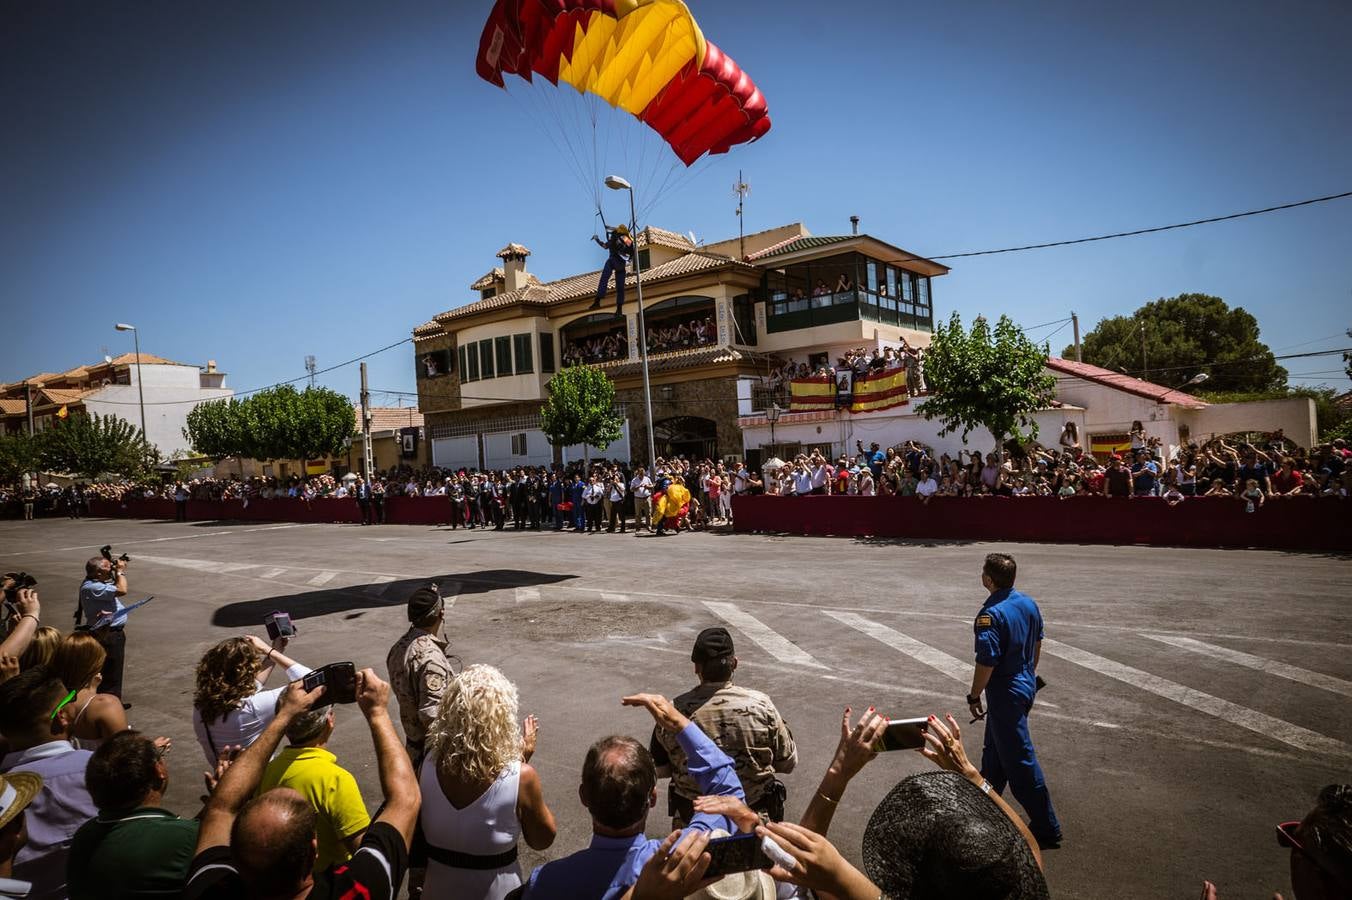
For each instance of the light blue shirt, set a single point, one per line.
(608, 866)
(99, 598)
(55, 814)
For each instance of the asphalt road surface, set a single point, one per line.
(1195, 697)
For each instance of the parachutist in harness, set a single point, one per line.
(621, 249)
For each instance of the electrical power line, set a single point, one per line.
(1139, 231)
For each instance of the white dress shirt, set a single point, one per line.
(243, 724)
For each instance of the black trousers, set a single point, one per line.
(365, 511)
(114, 643)
(180, 510)
(616, 515)
(593, 511)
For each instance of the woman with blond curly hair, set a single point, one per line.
(230, 707)
(478, 792)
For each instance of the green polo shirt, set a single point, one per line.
(142, 852)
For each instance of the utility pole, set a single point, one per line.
(1145, 368)
(365, 427)
(1075, 328)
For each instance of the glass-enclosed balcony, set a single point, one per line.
(846, 287)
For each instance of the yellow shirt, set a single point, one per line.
(314, 773)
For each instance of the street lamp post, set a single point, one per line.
(140, 389)
(616, 183)
(772, 416)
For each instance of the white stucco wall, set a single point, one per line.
(1295, 416)
(617, 450)
(171, 392)
(456, 452)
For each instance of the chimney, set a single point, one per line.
(514, 274)
(211, 366)
(854, 224)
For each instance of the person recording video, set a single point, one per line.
(105, 582)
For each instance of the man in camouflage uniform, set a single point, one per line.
(742, 722)
(419, 670)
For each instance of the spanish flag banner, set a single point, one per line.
(879, 390)
(808, 394)
(315, 467)
(62, 412)
(1102, 446)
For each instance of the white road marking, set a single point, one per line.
(778, 646)
(236, 567)
(272, 573)
(1248, 660)
(608, 597)
(527, 594)
(1252, 720)
(322, 578)
(379, 585)
(936, 659)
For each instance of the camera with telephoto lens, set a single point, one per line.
(107, 551)
(18, 581)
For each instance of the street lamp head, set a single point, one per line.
(772, 412)
(122, 326)
(1196, 379)
(616, 183)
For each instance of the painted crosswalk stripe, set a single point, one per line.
(379, 585)
(322, 578)
(936, 659)
(770, 641)
(1248, 660)
(272, 573)
(1261, 723)
(614, 598)
(527, 594)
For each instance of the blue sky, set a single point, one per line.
(254, 182)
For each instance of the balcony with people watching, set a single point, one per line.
(595, 339)
(846, 287)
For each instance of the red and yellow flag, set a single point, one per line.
(816, 392)
(879, 390)
(62, 412)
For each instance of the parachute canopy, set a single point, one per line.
(647, 57)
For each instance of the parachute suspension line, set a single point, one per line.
(542, 114)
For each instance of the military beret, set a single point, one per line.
(423, 602)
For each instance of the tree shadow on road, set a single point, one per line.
(359, 598)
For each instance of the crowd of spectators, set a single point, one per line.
(596, 349)
(284, 817)
(1214, 468)
(856, 363)
(666, 338)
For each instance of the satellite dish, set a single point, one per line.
(107, 358)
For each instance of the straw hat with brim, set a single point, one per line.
(754, 885)
(17, 790)
(937, 835)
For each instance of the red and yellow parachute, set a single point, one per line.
(647, 57)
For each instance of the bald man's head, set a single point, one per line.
(273, 843)
(98, 569)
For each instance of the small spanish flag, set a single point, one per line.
(62, 412)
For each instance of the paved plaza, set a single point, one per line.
(1195, 698)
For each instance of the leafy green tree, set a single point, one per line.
(580, 409)
(992, 379)
(93, 445)
(277, 423)
(18, 454)
(1184, 336)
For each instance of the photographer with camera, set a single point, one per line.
(22, 612)
(104, 615)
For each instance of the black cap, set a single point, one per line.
(423, 602)
(712, 643)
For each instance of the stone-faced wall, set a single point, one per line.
(708, 398)
(441, 392)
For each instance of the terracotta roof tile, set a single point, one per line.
(1157, 392)
(512, 250)
(661, 237)
(12, 407)
(147, 359)
(390, 418)
(676, 359)
(61, 396)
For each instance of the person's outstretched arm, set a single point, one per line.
(853, 752)
(398, 784)
(239, 782)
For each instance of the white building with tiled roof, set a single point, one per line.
(170, 389)
(719, 318)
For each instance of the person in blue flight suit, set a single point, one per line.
(621, 249)
(1008, 644)
(557, 490)
(575, 495)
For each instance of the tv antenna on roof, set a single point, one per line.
(310, 367)
(741, 189)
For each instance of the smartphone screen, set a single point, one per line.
(903, 734)
(739, 853)
(339, 680)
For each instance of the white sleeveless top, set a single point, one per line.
(486, 827)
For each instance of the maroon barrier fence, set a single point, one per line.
(1289, 523)
(398, 510)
